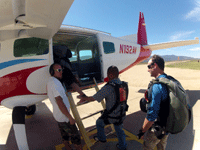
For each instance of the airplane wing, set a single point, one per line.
(39, 18)
(172, 44)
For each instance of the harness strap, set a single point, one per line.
(106, 113)
(116, 87)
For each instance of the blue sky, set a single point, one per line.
(166, 20)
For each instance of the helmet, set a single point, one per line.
(143, 105)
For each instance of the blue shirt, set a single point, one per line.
(159, 93)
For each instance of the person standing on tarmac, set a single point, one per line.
(156, 94)
(61, 108)
(109, 93)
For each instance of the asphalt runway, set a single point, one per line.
(43, 134)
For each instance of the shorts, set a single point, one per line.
(151, 141)
(68, 132)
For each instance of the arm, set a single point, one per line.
(87, 98)
(153, 109)
(146, 125)
(99, 96)
(64, 110)
(75, 87)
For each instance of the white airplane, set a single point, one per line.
(28, 31)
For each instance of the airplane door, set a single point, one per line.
(88, 61)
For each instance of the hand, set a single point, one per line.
(140, 135)
(83, 99)
(72, 121)
(82, 102)
(80, 96)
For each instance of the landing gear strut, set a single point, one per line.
(30, 110)
(18, 118)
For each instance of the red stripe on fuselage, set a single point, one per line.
(144, 54)
(14, 84)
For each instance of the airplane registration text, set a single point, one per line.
(127, 49)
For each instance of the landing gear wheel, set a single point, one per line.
(30, 110)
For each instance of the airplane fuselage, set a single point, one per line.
(25, 62)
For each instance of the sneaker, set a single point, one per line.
(97, 140)
(117, 145)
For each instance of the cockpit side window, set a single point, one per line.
(108, 47)
(28, 47)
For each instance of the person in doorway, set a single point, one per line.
(61, 56)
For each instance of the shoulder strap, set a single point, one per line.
(176, 88)
(116, 88)
(125, 86)
(163, 113)
(154, 81)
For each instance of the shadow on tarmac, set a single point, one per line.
(180, 141)
(41, 129)
(43, 133)
(185, 139)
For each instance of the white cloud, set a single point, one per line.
(195, 49)
(195, 13)
(181, 35)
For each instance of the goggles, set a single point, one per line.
(149, 66)
(58, 70)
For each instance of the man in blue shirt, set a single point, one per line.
(157, 94)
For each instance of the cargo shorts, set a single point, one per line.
(151, 141)
(69, 132)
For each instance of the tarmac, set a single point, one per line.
(43, 134)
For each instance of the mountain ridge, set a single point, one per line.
(173, 58)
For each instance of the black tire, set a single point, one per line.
(30, 110)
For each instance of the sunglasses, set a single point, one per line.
(149, 66)
(58, 70)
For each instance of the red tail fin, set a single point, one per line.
(142, 35)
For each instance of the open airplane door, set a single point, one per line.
(86, 56)
(26, 27)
